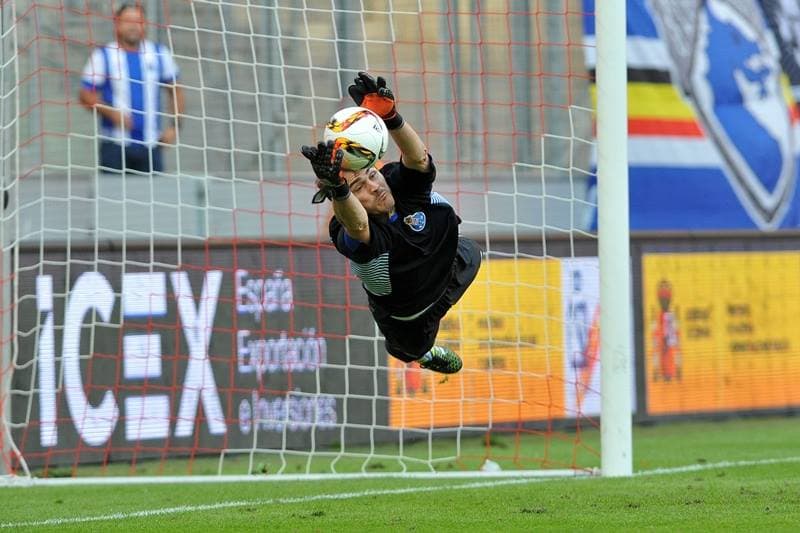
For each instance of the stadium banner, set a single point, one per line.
(507, 329)
(580, 289)
(721, 331)
(580, 282)
(247, 351)
(713, 127)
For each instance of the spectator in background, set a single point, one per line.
(122, 81)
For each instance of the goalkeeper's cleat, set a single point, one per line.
(441, 359)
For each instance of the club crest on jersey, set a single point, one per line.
(728, 65)
(416, 221)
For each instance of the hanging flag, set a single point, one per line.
(713, 131)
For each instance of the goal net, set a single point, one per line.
(197, 320)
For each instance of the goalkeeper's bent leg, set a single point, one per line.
(414, 340)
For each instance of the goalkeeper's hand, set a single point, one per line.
(326, 161)
(373, 94)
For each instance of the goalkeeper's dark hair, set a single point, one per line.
(128, 5)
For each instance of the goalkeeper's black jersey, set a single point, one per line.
(408, 262)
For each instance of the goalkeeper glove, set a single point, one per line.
(326, 161)
(373, 94)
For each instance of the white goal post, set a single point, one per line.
(614, 239)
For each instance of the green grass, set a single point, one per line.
(729, 497)
(557, 450)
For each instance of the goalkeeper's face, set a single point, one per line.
(371, 189)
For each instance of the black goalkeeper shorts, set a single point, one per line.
(408, 340)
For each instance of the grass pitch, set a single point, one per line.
(738, 475)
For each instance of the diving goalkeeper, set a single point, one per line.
(400, 236)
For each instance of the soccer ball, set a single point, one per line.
(360, 133)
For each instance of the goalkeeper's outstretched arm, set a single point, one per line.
(353, 217)
(414, 153)
(373, 94)
(326, 161)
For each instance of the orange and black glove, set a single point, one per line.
(326, 161)
(373, 94)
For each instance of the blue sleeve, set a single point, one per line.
(167, 68)
(350, 243)
(380, 241)
(94, 75)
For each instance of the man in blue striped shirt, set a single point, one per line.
(123, 82)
